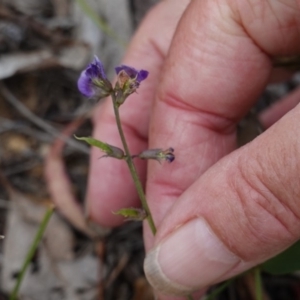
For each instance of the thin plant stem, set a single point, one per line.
(258, 284)
(134, 173)
(32, 250)
(132, 169)
(101, 23)
(218, 290)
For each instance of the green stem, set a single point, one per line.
(31, 252)
(218, 290)
(132, 169)
(258, 284)
(134, 173)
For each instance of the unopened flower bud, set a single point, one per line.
(158, 154)
(132, 214)
(128, 81)
(111, 151)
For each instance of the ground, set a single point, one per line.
(43, 47)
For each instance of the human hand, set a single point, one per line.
(217, 214)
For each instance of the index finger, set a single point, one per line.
(218, 65)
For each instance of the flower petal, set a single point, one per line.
(93, 80)
(85, 84)
(95, 69)
(131, 72)
(142, 75)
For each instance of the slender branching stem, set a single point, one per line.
(32, 250)
(134, 174)
(258, 284)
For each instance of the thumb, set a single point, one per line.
(243, 210)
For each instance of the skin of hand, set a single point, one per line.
(219, 210)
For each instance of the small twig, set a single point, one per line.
(289, 62)
(219, 289)
(23, 167)
(59, 184)
(258, 284)
(117, 270)
(8, 125)
(32, 251)
(38, 121)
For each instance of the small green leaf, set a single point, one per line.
(110, 150)
(134, 214)
(93, 142)
(285, 262)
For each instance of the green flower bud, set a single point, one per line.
(132, 214)
(157, 154)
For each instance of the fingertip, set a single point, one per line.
(175, 266)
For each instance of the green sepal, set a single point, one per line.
(93, 142)
(286, 262)
(110, 150)
(132, 214)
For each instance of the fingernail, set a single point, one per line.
(189, 259)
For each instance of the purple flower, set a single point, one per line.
(128, 81)
(93, 80)
(132, 73)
